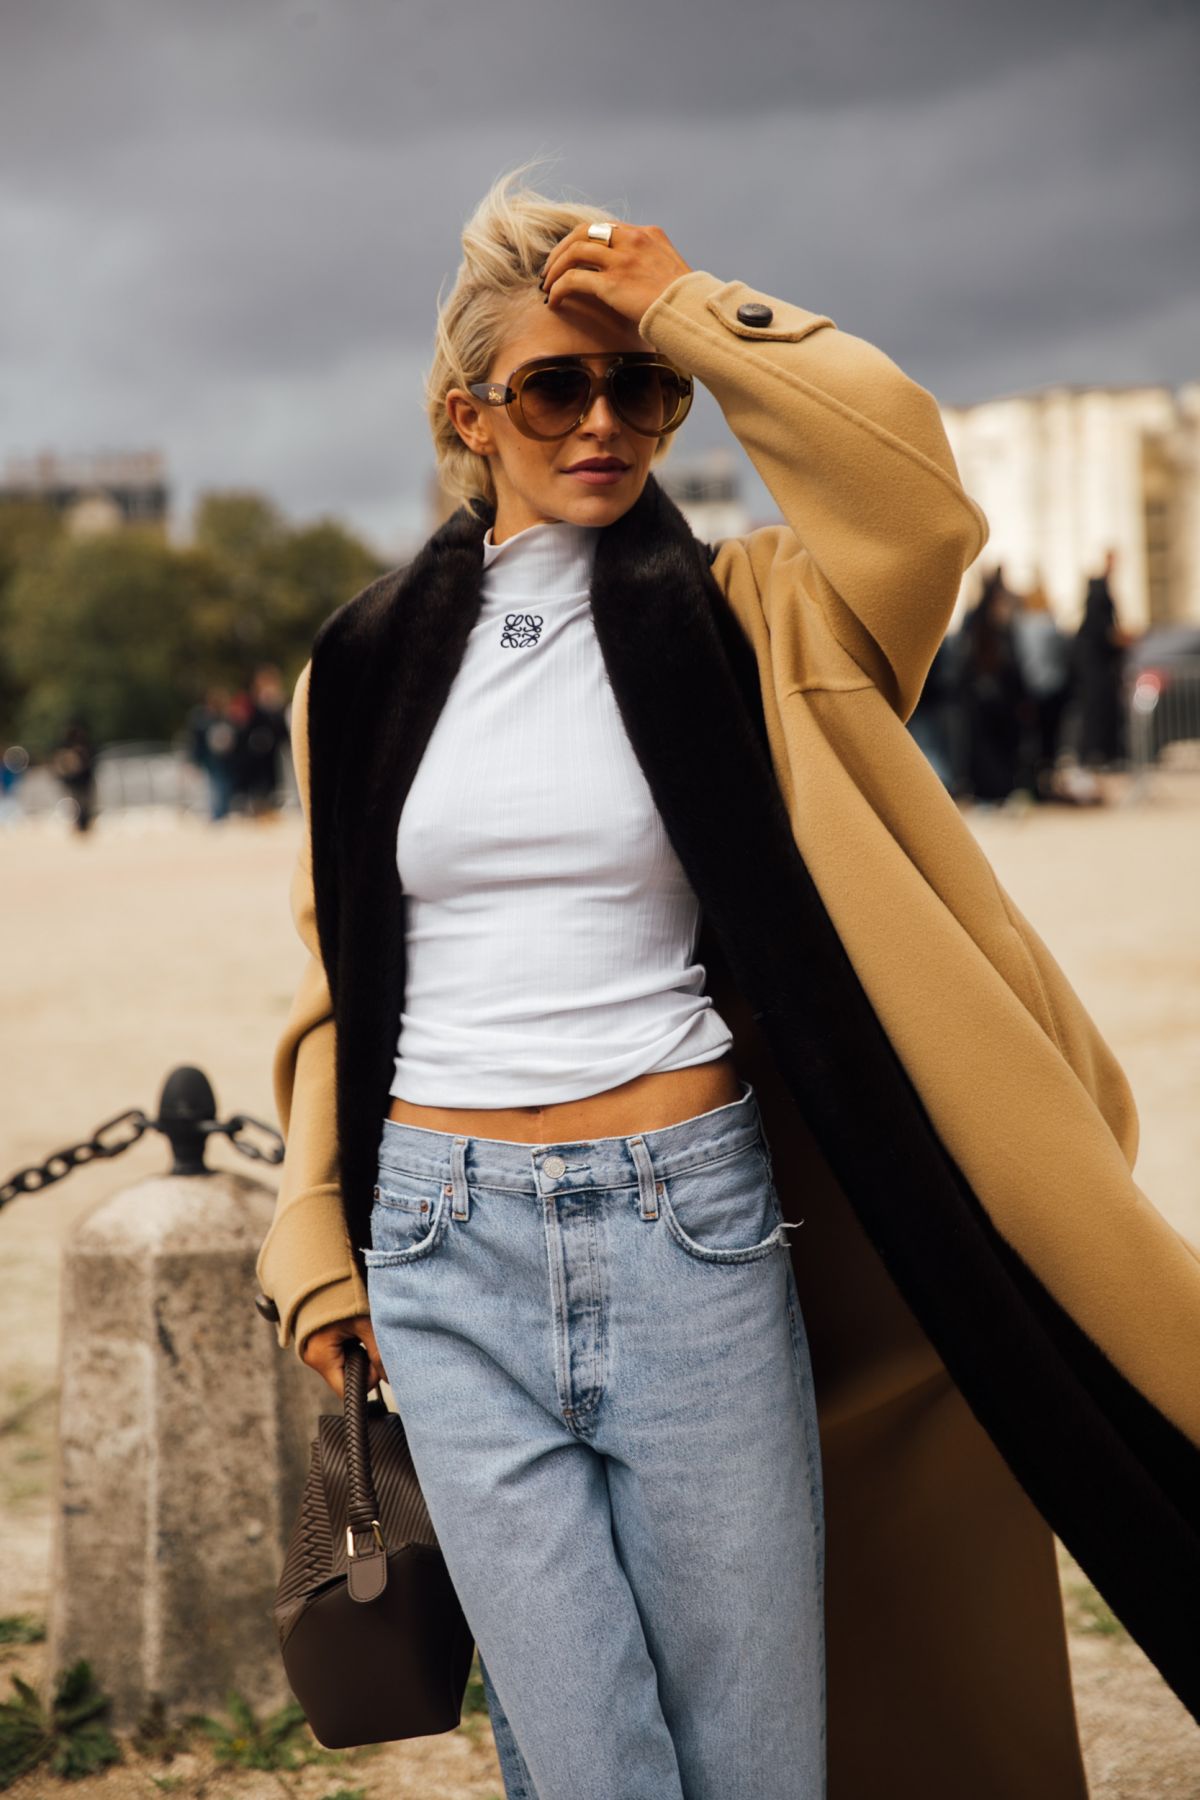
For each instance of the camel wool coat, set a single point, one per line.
(1005, 1331)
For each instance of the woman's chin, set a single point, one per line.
(602, 505)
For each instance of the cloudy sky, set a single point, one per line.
(226, 223)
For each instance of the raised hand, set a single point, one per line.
(626, 275)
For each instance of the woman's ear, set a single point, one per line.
(466, 416)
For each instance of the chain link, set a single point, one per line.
(40, 1175)
(234, 1127)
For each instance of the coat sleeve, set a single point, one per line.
(878, 529)
(306, 1262)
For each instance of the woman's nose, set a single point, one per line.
(600, 417)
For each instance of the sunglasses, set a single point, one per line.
(550, 395)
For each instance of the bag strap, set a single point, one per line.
(367, 1568)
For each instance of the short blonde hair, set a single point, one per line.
(505, 243)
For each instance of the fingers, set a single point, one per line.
(579, 282)
(325, 1352)
(376, 1372)
(564, 250)
(578, 251)
(629, 242)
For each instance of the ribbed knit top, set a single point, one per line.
(550, 927)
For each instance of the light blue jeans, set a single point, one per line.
(598, 1354)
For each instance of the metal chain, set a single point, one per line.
(233, 1128)
(40, 1175)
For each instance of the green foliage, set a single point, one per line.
(237, 527)
(156, 1736)
(1089, 1611)
(280, 582)
(128, 631)
(474, 1723)
(72, 1737)
(248, 1743)
(109, 628)
(474, 1695)
(28, 531)
(21, 1628)
(308, 575)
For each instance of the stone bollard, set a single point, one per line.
(183, 1447)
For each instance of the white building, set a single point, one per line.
(94, 493)
(1065, 473)
(706, 487)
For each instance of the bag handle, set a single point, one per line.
(367, 1568)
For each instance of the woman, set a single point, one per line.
(574, 1288)
(993, 694)
(1098, 657)
(934, 719)
(74, 762)
(1043, 652)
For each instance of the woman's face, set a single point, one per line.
(533, 477)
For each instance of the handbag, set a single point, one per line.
(372, 1633)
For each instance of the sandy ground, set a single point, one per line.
(157, 941)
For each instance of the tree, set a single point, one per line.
(308, 575)
(281, 582)
(109, 629)
(237, 527)
(127, 631)
(29, 530)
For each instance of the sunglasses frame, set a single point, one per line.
(508, 393)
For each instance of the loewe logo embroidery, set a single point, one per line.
(520, 630)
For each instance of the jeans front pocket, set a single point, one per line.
(408, 1218)
(724, 1210)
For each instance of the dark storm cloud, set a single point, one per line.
(228, 223)
(372, 70)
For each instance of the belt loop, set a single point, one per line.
(461, 1207)
(648, 1186)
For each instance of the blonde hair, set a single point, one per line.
(505, 243)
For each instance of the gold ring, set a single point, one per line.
(601, 233)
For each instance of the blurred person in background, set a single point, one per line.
(13, 765)
(992, 694)
(212, 747)
(259, 714)
(1097, 660)
(272, 699)
(933, 719)
(1044, 659)
(73, 761)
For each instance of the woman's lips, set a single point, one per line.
(598, 477)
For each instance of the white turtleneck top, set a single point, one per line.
(549, 925)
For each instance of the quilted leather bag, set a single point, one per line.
(372, 1633)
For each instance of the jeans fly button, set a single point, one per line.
(554, 1166)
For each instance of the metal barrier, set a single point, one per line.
(132, 777)
(1163, 709)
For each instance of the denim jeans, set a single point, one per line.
(598, 1354)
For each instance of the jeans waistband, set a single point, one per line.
(602, 1162)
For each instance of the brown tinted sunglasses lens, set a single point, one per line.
(553, 399)
(648, 396)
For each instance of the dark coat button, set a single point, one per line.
(267, 1308)
(755, 313)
